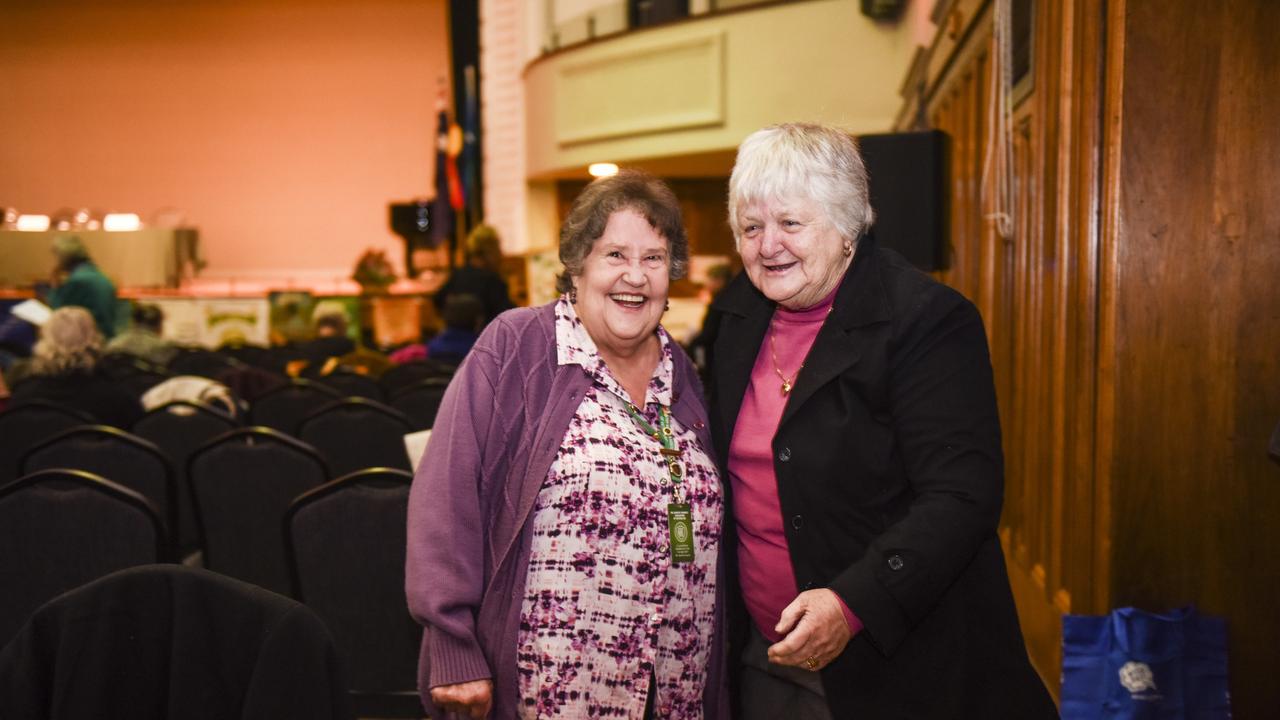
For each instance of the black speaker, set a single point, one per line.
(908, 192)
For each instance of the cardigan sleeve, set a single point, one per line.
(945, 422)
(444, 560)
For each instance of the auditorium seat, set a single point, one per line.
(351, 384)
(354, 433)
(118, 456)
(178, 428)
(27, 425)
(421, 401)
(241, 484)
(167, 641)
(284, 407)
(346, 551)
(62, 528)
(401, 376)
(203, 362)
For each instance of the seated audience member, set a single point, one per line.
(463, 319)
(17, 338)
(142, 340)
(330, 338)
(479, 277)
(64, 370)
(83, 284)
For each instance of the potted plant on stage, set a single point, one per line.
(374, 272)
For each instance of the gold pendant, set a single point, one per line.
(786, 387)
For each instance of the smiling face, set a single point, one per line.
(622, 290)
(790, 250)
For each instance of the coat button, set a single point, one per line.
(797, 522)
(784, 454)
(699, 424)
(895, 562)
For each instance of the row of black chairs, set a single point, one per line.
(139, 376)
(286, 407)
(339, 547)
(173, 444)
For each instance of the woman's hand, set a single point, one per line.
(814, 631)
(471, 699)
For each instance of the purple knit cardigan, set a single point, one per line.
(498, 430)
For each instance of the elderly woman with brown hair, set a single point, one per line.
(564, 523)
(64, 371)
(855, 411)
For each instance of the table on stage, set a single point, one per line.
(151, 257)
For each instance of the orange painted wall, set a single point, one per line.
(281, 127)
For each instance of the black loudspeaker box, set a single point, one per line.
(908, 192)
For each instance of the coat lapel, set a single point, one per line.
(860, 301)
(746, 318)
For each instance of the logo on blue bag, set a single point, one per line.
(1137, 678)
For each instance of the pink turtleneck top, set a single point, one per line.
(764, 561)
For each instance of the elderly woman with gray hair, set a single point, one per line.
(564, 523)
(64, 371)
(854, 409)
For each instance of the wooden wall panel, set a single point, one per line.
(1197, 318)
(1134, 316)
(1037, 293)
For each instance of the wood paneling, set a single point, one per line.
(1197, 316)
(1134, 316)
(1034, 291)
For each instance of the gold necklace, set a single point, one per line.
(787, 382)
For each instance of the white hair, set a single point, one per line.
(69, 342)
(805, 161)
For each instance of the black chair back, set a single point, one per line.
(118, 456)
(167, 641)
(352, 384)
(241, 484)
(285, 407)
(62, 528)
(24, 426)
(354, 433)
(203, 362)
(346, 547)
(135, 374)
(178, 428)
(402, 376)
(421, 401)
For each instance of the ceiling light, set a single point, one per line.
(602, 169)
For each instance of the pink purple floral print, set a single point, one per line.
(604, 608)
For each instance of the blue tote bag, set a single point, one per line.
(1135, 665)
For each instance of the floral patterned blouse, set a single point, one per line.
(605, 608)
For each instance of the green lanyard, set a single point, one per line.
(679, 515)
(670, 448)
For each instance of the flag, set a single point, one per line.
(471, 147)
(441, 208)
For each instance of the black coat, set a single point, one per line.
(165, 641)
(890, 477)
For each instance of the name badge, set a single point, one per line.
(680, 528)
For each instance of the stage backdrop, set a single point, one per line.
(280, 128)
